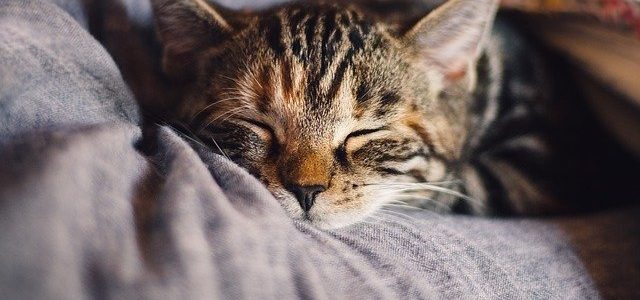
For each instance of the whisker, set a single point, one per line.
(215, 103)
(399, 214)
(440, 205)
(404, 205)
(225, 114)
(194, 138)
(184, 135)
(233, 80)
(220, 149)
(444, 182)
(383, 216)
(404, 187)
(232, 115)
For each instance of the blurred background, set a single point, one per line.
(601, 40)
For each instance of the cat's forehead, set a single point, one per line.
(311, 19)
(318, 34)
(320, 55)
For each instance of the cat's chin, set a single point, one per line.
(335, 220)
(327, 221)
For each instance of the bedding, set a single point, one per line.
(86, 213)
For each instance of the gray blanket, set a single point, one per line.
(84, 214)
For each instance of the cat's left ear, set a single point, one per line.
(450, 39)
(189, 27)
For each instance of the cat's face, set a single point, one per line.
(332, 111)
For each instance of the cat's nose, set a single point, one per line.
(306, 194)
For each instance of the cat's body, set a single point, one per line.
(340, 108)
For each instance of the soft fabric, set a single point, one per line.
(84, 214)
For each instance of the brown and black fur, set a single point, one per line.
(340, 108)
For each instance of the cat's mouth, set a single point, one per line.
(329, 211)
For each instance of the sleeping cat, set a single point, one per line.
(342, 107)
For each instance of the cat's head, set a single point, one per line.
(332, 109)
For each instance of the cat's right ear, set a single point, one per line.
(186, 28)
(449, 40)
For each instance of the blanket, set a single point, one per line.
(84, 213)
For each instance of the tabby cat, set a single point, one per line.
(342, 107)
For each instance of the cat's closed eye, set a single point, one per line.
(262, 129)
(363, 132)
(358, 138)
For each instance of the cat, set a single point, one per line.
(343, 107)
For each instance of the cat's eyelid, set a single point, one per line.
(363, 132)
(257, 124)
(263, 126)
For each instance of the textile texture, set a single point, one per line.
(85, 214)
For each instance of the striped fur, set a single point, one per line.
(371, 109)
